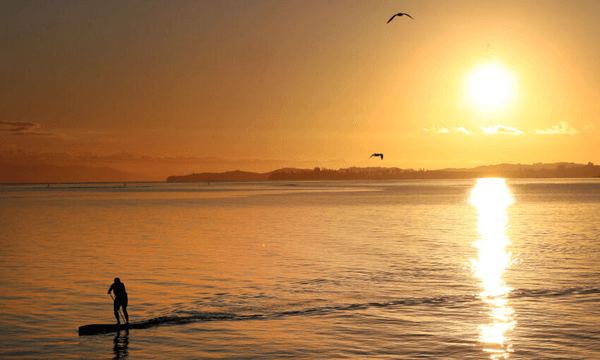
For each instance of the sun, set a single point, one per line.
(490, 87)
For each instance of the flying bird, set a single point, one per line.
(376, 154)
(399, 14)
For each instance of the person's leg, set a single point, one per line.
(116, 309)
(124, 307)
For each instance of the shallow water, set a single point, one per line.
(453, 269)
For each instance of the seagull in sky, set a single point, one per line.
(376, 154)
(399, 14)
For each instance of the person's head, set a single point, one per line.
(117, 280)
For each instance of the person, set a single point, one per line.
(120, 299)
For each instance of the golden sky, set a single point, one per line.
(175, 87)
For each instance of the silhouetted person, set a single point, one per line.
(120, 299)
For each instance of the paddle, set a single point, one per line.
(122, 317)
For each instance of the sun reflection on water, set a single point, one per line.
(491, 198)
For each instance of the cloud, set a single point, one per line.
(563, 128)
(501, 129)
(461, 129)
(589, 127)
(21, 128)
(443, 130)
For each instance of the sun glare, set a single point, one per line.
(490, 87)
(491, 197)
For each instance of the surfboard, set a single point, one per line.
(94, 329)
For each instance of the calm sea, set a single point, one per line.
(455, 269)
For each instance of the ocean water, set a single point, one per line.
(444, 269)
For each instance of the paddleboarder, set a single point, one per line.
(120, 299)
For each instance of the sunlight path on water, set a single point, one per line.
(491, 198)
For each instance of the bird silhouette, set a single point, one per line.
(398, 14)
(376, 154)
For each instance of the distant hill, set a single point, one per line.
(44, 173)
(226, 176)
(539, 170)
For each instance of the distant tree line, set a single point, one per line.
(539, 170)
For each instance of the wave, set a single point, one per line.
(186, 317)
(525, 293)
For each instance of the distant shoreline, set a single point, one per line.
(509, 171)
(512, 171)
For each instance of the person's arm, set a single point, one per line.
(110, 288)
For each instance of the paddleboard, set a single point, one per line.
(93, 329)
